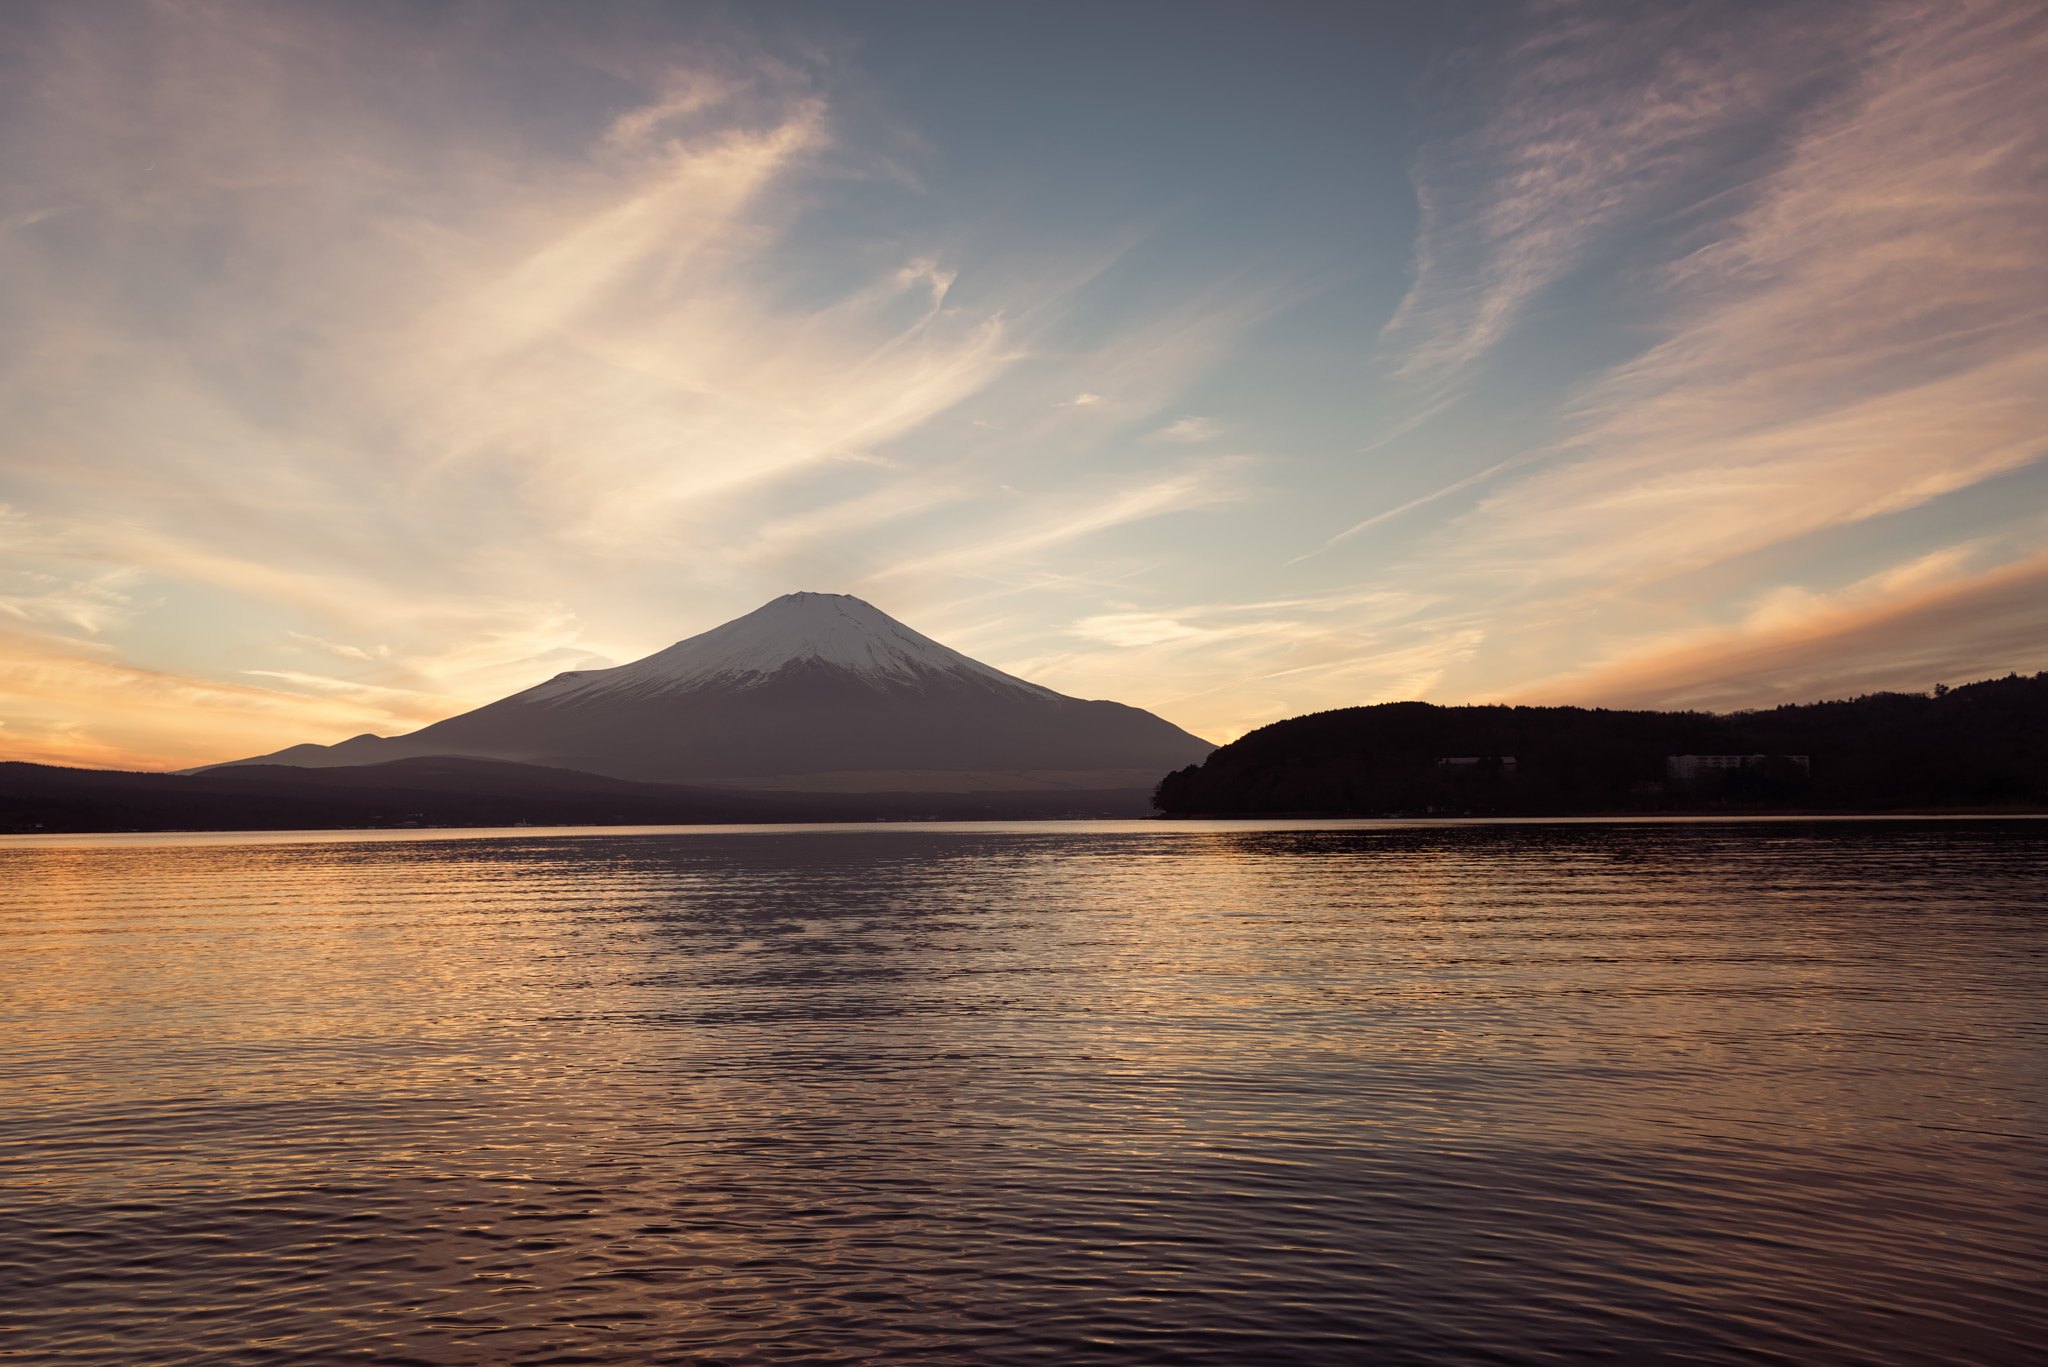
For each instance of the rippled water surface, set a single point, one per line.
(1149, 1093)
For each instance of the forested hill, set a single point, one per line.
(1979, 745)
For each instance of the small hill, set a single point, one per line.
(459, 792)
(440, 791)
(1980, 745)
(418, 792)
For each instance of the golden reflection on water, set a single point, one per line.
(1420, 1093)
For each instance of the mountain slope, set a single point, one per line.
(811, 692)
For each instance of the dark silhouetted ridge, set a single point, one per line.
(1983, 745)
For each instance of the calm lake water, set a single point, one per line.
(1343, 1093)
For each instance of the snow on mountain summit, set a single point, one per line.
(812, 693)
(833, 630)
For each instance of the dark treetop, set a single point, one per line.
(1983, 744)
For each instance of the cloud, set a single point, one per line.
(1218, 667)
(569, 346)
(878, 507)
(1870, 334)
(65, 708)
(537, 342)
(402, 702)
(1455, 487)
(542, 349)
(1132, 628)
(1898, 638)
(1190, 429)
(347, 652)
(1069, 517)
(1594, 120)
(89, 606)
(1855, 332)
(1865, 332)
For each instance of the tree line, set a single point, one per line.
(1979, 745)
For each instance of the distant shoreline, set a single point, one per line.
(1015, 826)
(1703, 814)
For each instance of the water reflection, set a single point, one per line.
(1519, 1093)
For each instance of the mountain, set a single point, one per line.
(811, 693)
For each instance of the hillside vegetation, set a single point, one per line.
(1980, 745)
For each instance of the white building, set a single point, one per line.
(1686, 769)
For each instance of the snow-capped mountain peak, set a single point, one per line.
(814, 692)
(833, 630)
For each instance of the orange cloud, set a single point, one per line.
(63, 707)
(1954, 633)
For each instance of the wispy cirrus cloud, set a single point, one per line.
(361, 361)
(63, 707)
(1845, 333)
(1907, 635)
(1058, 520)
(534, 318)
(341, 648)
(1133, 628)
(1868, 333)
(401, 702)
(441, 344)
(1190, 429)
(1865, 333)
(1592, 120)
(73, 607)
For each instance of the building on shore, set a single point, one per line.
(1685, 771)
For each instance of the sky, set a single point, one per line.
(363, 362)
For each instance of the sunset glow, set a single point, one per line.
(365, 363)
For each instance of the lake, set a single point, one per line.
(1090, 1092)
